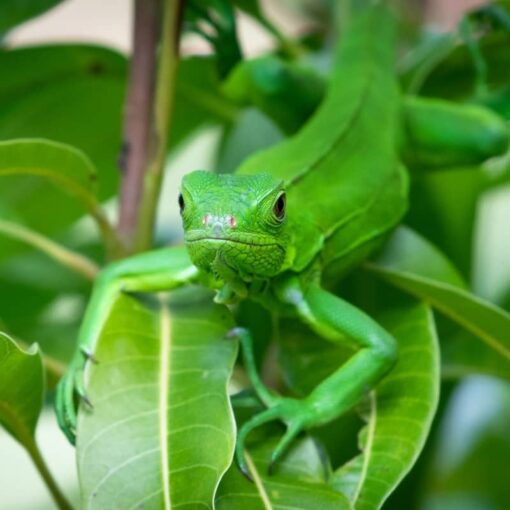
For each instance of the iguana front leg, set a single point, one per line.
(336, 320)
(154, 271)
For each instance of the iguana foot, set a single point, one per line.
(71, 384)
(296, 414)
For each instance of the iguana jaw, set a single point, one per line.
(245, 254)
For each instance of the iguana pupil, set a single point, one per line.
(279, 207)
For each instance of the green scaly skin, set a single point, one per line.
(303, 212)
(237, 232)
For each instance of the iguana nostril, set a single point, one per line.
(231, 221)
(219, 222)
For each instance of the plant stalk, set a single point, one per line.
(67, 258)
(168, 59)
(35, 455)
(150, 96)
(138, 115)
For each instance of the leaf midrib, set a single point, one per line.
(164, 380)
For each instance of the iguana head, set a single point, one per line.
(238, 219)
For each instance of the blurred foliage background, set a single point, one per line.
(59, 65)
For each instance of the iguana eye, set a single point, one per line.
(181, 202)
(279, 207)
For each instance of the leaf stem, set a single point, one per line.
(70, 259)
(40, 464)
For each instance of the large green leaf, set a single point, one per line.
(67, 172)
(412, 264)
(14, 12)
(297, 482)
(21, 389)
(399, 412)
(161, 432)
(68, 93)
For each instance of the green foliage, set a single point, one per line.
(161, 422)
(15, 12)
(161, 428)
(299, 481)
(411, 264)
(71, 94)
(21, 389)
(49, 165)
(21, 400)
(398, 413)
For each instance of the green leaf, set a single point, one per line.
(399, 412)
(22, 384)
(21, 389)
(288, 93)
(14, 12)
(67, 93)
(161, 432)
(462, 355)
(447, 223)
(199, 100)
(65, 166)
(412, 264)
(40, 162)
(298, 481)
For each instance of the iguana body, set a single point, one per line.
(289, 221)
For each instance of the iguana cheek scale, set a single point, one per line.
(308, 209)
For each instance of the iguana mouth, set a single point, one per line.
(237, 237)
(229, 240)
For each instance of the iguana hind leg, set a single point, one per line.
(336, 320)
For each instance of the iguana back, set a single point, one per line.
(342, 168)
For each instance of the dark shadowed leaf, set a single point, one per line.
(447, 223)
(199, 100)
(14, 12)
(67, 93)
(298, 481)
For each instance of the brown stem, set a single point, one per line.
(147, 117)
(168, 59)
(138, 114)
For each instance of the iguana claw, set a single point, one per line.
(291, 412)
(72, 384)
